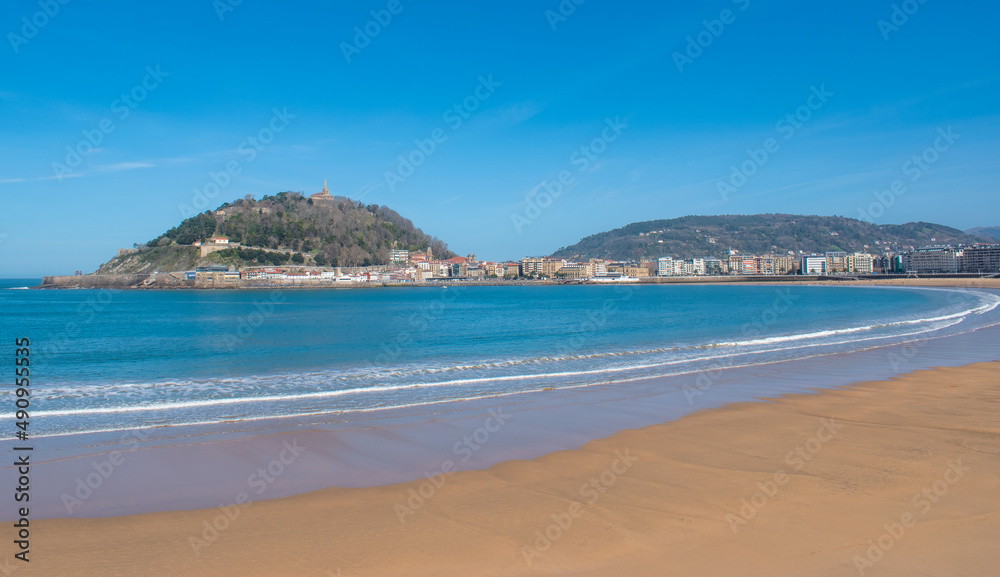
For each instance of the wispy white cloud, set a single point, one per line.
(367, 189)
(123, 166)
(38, 178)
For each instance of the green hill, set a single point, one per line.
(988, 232)
(698, 236)
(285, 228)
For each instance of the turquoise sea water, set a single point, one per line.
(117, 360)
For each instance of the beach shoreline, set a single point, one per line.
(800, 484)
(564, 433)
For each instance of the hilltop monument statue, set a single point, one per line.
(323, 196)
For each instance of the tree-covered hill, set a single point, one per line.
(990, 232)
(698, 236)
(285, 228)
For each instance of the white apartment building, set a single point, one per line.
(664, 266)
(813, 265)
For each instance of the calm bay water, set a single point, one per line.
(117, 360)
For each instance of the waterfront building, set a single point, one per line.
(784, 264)
(836, 261)
(735, 264)
(550, 267)
(764, 264)
(980, 258)
(932, 259)
(600, 267)
(577, 270)
(636, 271)
(664, 266)
(861, 263)
(813, 265)
(531, 265)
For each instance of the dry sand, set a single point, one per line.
(851, 497)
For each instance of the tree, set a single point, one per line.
(298, 258)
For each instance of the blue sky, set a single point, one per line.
(547, 86)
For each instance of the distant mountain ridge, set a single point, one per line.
(698, 236)
(992, 232)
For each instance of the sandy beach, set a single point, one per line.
(881, 478)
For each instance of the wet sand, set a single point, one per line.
(898, 477)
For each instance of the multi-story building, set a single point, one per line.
(932, 259)
(600, 267)
(530, 266)
(735, 264)
(813, 265)
(836, 262)
(636, 271)
(698, 266)
(764, 264)
(512, 269)
(550, 267)
(861, 263)
(541, 266)
(398, 256)
(714, 266)
(980, 258)
(216, 276)
(577, 270)
(784, 264)
(664, 266)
